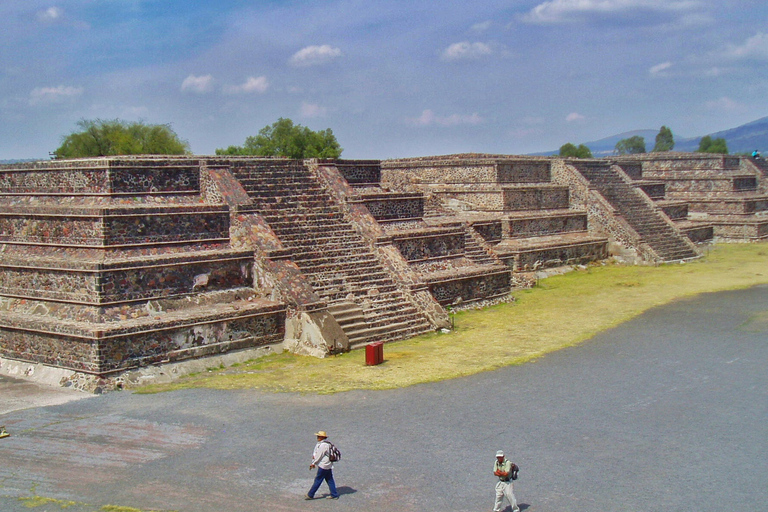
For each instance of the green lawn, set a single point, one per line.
(561, 311)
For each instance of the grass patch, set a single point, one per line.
(35, 501)
(561, 311)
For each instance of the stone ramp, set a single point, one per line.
(654, 228)
(341, 267)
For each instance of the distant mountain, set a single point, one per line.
(742, 139)
(17, 161)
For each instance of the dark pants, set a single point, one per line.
(327, 475)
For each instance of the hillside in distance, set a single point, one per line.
(742, 139)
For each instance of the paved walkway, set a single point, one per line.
(668, 412)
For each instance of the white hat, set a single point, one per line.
(499, 453)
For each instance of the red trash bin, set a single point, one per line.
(374, 353)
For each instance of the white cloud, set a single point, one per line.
(315, 55)
(198, 84)
(466, 51)
(429, 118)
(47, 95)
(754, 47)
(257, 85)
(564, 11)
(659, 69)
(482, 27)
(50, 14)
(312, 110)
(726, 104)
(574, 116)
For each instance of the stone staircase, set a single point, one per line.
(450, 257)
(341, 267)
(654, 227)
(727, 192)
(524, 218)
(676, 209)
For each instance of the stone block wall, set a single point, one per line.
(101, 177)
(105, 352)
(465, 169)
(654, 190)
(490, 231)
(522, 227)
(535, 198)
(393, 207)
(470, 288)
(114, 226)
(431, 244)
(359, 172)
(676, 211)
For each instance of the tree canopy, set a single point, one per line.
(710, 145)
(98, 137)
(631, 146)
(283, 138)
(572, 151)
(664, 140)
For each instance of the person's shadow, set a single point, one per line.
(342, 491)
(521, 506)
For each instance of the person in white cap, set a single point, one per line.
(506, 471)
(321, 460)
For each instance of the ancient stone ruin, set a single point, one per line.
(111, 264)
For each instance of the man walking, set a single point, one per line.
(506, 471)
(321, 459)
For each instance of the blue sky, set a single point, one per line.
(390, 78)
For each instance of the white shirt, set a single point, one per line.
(320, 455)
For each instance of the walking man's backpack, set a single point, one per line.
(334, 455)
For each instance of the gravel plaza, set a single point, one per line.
(665, 412)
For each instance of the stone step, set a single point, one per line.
(346, 312)
(394, 333)
(281, 187)
(331, 238)
(318, 256)
(334, 267)
(331, 286)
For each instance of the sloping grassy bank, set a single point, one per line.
(561, 311)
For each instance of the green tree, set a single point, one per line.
(710, 145)
(283, 138)
(664, 140)
(631, 146)
(569, 150)
(98, 137)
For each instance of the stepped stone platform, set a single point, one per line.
(524, 218)
(315, 218)
(448, 256)
(112, 263)
(727, 192)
